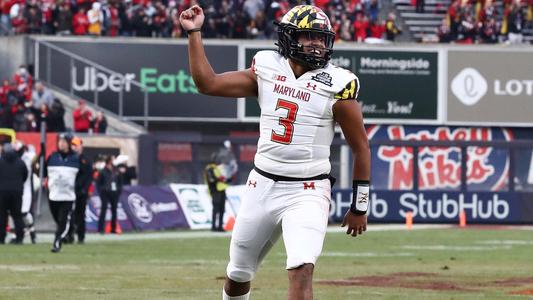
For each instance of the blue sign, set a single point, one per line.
(440, 206)
(152, 207)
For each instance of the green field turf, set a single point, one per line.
(418, 264)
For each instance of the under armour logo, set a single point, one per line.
(309, 185)
(311, 86)
(252, 183)
(363, 198)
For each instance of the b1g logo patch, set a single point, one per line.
(323, 78)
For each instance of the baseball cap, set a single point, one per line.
(76, 141)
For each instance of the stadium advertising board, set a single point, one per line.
(440, 167)
(197, 206)
(440, 207)
(162, 68)
(395, 85)
(152, 207)
(490, 87)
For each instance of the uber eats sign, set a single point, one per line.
(91, 79)
(163, 69)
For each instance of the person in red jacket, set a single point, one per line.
(80, 22)
(360, 26)
(377, 29)
(4, 90)
(82, 117)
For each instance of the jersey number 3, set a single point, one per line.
(287, 122)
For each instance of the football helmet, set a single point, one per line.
(305, 19)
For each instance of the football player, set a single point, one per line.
(301, 96)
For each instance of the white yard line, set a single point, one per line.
(455, 248)
(193, 234)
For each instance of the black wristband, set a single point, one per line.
(194, 30)
(360, 199)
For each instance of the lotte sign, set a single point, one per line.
(490, 88)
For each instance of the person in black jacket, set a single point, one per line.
(109, 184)
(13, 173)
(83, 182)
(61, 171)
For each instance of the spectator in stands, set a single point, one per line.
(360, 27)
(516, 20)
(467, 30)
(239, 25)
(454, 19)
(252, 7)
(377, 29)
(345, 31)
(47, 8)
(34, 17)
(4, 91)
(20, 112)
(55, 120)
(160, 20)
(443, 32)
(392, 29)
(80, 22)
(141, 23)
(63, 19)
(96, 19)
(12, 99)
(420, 5)
(32, 118)
(114, 19)
(489, 32)
(24, 82)
(5, 20)
(18, 19)
(124, 14)
(373, 10)
(41, 95)
(99, 123)
(82, 117)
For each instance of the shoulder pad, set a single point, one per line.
(350, 91)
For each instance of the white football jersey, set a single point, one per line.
(297, 125)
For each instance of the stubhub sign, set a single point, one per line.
(440, 207)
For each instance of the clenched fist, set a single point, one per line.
(192, 18)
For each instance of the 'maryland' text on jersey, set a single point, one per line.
(291, 92)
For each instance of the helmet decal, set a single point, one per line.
(305, 18)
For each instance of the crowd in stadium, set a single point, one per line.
(486, 21)
(250, 19)
(467, 21)
(24, 105)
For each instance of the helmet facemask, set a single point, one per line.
(309, 20)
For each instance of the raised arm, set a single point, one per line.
(229, 84)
